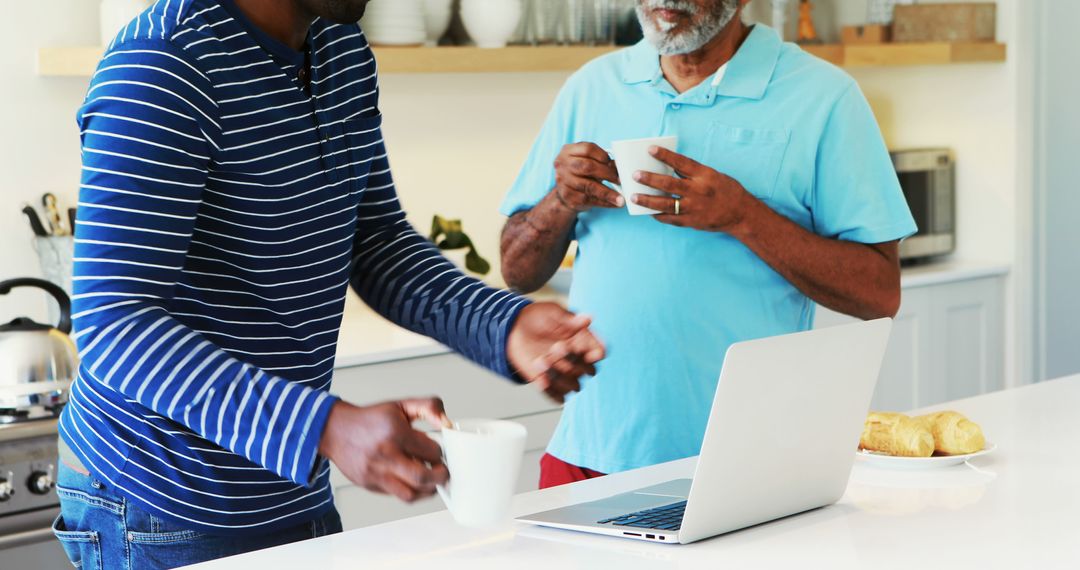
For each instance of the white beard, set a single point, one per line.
(659, 34)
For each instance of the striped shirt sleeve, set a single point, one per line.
(148, 133)
(403, 277)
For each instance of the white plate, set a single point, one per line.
(933, 462)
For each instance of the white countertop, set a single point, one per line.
(1016, 508)
(367, 338)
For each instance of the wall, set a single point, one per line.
(457, 141)
(1058, 128)
(39, 149)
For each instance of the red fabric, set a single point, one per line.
(555, 472)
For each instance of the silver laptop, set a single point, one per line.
(781, 439)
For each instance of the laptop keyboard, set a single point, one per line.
(667, 517)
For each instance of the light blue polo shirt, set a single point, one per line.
(793, 130)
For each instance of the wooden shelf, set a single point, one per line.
(81, 61)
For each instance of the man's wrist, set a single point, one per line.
(326, 439)
(750, 212)
(563, 205)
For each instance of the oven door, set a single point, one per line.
(27, 541)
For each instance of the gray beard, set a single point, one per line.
(668, 43)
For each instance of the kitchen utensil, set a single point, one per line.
(633, 155)
(491, 23)
(484, 457)
(932, 462)
(52, 214)
(55, 254)
(37, 361)
(35, 221)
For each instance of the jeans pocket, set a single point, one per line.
(83, 548)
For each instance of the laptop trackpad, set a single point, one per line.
(646, 497)
(678, 489)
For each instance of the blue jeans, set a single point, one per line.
(100, 530)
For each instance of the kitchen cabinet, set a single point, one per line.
(947, 343)
(468, 391)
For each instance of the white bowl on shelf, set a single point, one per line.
(437, 16)
(491, 23)
(394, 22)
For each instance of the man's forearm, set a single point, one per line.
(534, 243)
(862, 280)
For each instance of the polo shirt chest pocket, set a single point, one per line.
(752, 157)
(362, 138)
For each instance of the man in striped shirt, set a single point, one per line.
(234, 184)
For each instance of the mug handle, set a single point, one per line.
(442, 490)
(444, 494)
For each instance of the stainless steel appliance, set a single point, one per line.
(37, 365)
(928, 178)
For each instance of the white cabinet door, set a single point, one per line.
(946, 344)
(968, 338)
(908, 356)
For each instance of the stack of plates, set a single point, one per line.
(394, 22)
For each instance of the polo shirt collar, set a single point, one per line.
(277, 49)
(748, 73)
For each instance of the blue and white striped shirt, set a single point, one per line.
(224, 211)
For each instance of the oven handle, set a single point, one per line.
(27, 537)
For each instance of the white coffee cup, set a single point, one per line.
(633, 155)
(484, 457)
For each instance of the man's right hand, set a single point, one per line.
(377, 448)
(580, 170)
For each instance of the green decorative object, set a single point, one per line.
(447, 235)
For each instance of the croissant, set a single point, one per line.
(896, 434)
(953, 433)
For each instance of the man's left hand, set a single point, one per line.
(552, 348)
(700, 197)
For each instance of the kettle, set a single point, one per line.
(37, 362)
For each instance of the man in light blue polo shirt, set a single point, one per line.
(785, 198)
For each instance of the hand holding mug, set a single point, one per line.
(377, 448)
(580, 171)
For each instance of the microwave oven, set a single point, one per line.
(928, 179)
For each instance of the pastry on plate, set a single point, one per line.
(896, 434)
(953, 433)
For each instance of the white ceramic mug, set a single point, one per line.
(633, 155)
(484, 457)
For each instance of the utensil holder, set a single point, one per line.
(55, 254)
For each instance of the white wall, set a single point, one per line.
(457, 141)
(1058, 203)
(39, 149)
